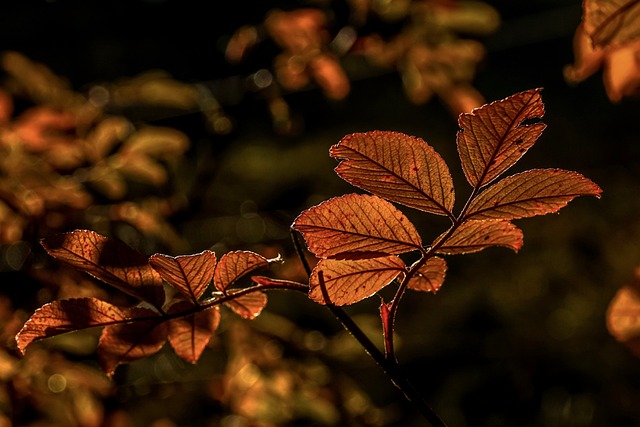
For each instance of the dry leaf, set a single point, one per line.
(474, 236)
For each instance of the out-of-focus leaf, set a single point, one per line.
(106, 135)
(157, 142)
(128, 342)
(189, 274)
(139, 167)
(357, 224)
(398, 167)
(622, 71)
(623, 317)
(351, 281)
(189, 335)
(612, 22)
(330, 76)
(474, 236)
(535, 192)
(430, 276)
(588, 59)
(110, 261)
(248, 306)
(234, 265)
(495, 136)
(69, 315)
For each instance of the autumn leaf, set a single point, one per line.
(612, 22)
(623, 317)
(430, 276)
(535, 192)
(234, 265)
(189, 274)
(474, 236)
(59, 317)
(495, 136)
(354, 224)
(351, 281)
(247, 306)
(400, 168)
(123, 343)
(110, 261)
(189, 335)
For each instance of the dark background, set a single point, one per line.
(510, 340)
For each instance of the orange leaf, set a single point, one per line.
(351, 281)
(124, 343)
(474, 236)
(189, 274)
(234, 265)
(189, 335)
(357, 224)
(248, 306)
(400, 168)
(612, 22)
(69, 315)
(430, 276)
(494, 137)
(535, 192)
(623, 317)
(110, 261)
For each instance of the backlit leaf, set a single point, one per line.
(234, 265)
(124, 343)
(248, 306)
(398, 167)
(189, 274)
(69, 315)
(357, 223)
(110, 261)
(623, 317)
(612, 22)
(495, 136)
(189, 335)
(535, 192)
(430, 275)
(350, 281)
(474, 236)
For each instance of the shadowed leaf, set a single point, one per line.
(493, 137)
(189, 274)
(69, 315)
(612, 22)
(474, 236)
(351, 281)
(356, 223)
(128, 342)
(189, 335)
(401, 168)
(430, 276)
(234, 265)
(248, 306)
(110, 261)
(535, 192)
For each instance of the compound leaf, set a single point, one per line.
(430, 276)
(474, 236)
(398, 167)
(189, 335)
(234, 265)
(351, 281)
(110, 261)
(357, 223)
(59, 317)
(495, 136)
(535, 192)
(189, 274)
(248, 306)
(612, 22)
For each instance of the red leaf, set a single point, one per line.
(234, 265)
(612, 22)
(623, 317)
(493, 137)
(430, 276)
(351, 281)
(110, 261)
(357, 223)
(401, 168)
(69, 315)
(189, 335)
(248, 306)
(124, 343)
(189, 274)
(535, 192)
(474, 236)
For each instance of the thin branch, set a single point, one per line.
(300, 251)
